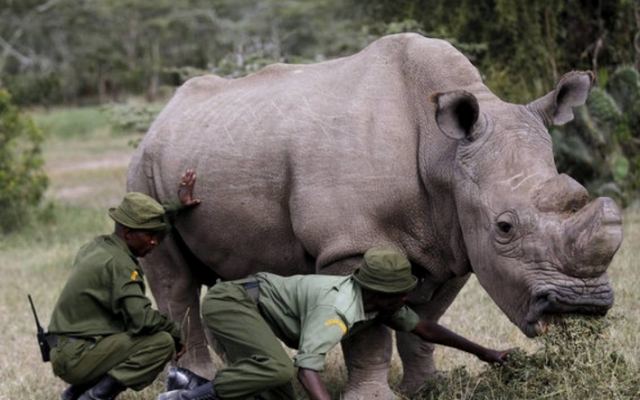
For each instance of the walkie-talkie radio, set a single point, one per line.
(45, 349)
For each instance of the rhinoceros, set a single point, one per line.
(302, 168)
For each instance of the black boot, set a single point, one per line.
(182, 378)
(73, 392)
(202, 392)
(107, 388)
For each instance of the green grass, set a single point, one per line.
(71, 122)
(87, 171)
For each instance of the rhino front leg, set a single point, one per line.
(416, 354)
(177, 294)
(367, 356)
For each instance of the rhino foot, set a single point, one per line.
(199, 362)
(368, 390)
(416, 374)
(410, 386)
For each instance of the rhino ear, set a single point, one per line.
(556, 107)
(456, 113)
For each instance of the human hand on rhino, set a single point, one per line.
(185, 190)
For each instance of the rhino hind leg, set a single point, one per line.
(177, 293)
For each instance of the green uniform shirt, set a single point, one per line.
(105, 294)
(313, 313)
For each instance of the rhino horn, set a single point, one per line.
(556, 107)
(456, 113)
(561, 194)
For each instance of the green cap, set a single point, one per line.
(385, 270)
(139, 211)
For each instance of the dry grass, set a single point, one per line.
(88, 174)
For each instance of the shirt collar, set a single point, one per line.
(350, 300)
(123, 246)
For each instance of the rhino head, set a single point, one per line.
(536, 241)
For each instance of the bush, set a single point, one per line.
(574, 362)
(22, 179)
(132, 117)
(34, 88)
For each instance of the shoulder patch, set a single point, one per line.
(336, 321)
(134, 275)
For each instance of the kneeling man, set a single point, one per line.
(105, 336)
(312, 313)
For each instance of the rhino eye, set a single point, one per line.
(504, 227)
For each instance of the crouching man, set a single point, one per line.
(104, 334)
(312, 313)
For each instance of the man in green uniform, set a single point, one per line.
(105, 336)
(312, 313)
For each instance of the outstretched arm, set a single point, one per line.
(435, 333)
(313, 384)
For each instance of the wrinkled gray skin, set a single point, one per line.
(301, 168)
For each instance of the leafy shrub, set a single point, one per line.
(573, 363)
(34, 88)
(22, 179)
(132, 117)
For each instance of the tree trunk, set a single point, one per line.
(154, 80)
(636, 39)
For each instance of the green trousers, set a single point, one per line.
(256, 362)
(135, 361)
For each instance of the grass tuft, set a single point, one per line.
(575, 361)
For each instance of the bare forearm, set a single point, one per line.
(435, 333)
(313, 384)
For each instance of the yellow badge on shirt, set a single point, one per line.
(134, 275)
(338, 322)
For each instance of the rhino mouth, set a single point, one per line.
(548, 305)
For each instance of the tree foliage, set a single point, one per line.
(65, 50)
(21, 177)
(68, 50)
(523, 46)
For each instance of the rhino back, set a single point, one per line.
(302, 165)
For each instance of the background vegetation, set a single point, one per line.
(90, 76)
(77, 50)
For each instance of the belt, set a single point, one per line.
(54, 340)
(252, 288)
